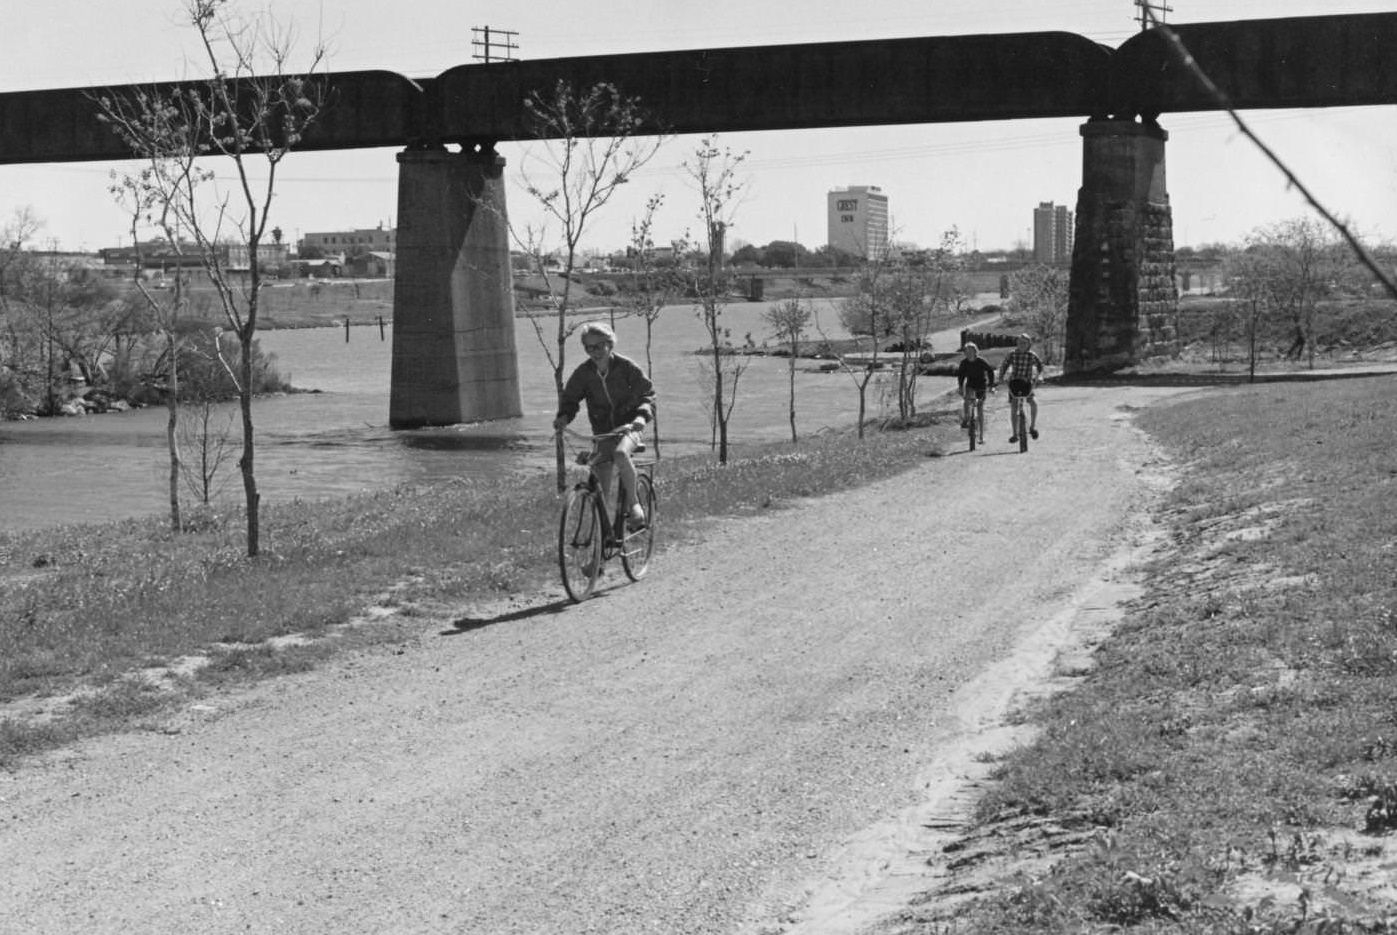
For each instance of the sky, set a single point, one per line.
(984, 179)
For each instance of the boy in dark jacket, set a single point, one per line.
(973, 377)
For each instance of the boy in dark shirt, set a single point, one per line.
(973, 377)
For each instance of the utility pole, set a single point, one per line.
(1152, 14)
(500, 40)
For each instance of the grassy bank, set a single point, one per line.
(1230, 765)
(89, 613)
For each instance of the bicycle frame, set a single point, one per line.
(588, 537)
(1018, 417)
(974, 414)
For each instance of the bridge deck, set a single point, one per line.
(1317, 61)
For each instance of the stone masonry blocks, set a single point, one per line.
(1123, 302)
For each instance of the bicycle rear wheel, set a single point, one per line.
(637, 546)
(580, 544)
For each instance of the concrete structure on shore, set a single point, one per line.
(453, 305)
(454, 358)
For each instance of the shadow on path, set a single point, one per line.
(469, 622)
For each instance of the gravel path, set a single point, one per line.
(731, 746)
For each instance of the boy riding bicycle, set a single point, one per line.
(1025, 369)
(973, 377)
(620, 398)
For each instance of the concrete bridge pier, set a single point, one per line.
(453, 296)
(1123, 304)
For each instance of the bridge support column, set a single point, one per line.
(1123, 304)
(454, 354)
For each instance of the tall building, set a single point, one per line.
(1052, 233)
(858, 221)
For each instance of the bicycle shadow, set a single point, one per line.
(982, 453)
(471, 622)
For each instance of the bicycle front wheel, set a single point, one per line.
(972, 427)
(1023, 427)
(580, 544)
(637, 546)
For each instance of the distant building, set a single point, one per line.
(858, 221)
(351, 243)
(162, 255)
(373, 265)
(270, 256)
(1052, 233)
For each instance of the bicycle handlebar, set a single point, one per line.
(582, 436)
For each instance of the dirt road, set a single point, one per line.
(750, 741)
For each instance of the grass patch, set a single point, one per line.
(1237, 734)
(84, 607)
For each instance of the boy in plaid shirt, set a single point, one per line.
(1025, 369)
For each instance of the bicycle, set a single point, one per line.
(975, 422)
(1018, 418)
(587, 541)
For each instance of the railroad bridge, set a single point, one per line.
(454, 358)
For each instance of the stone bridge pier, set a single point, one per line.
(1123, 301)
(454, 356)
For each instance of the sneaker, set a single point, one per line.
(965, 423)
(1013, 438)
(1033, 433)
(635, 519)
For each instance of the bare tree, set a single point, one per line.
(789, 320)
(714, 172)
(18, 277)
(651, 290)
(869, 312)
(148, 201)
(910, 307)
(1301, 260)
(590, 148)
(15, 239)
(205, 432)
(1038, 299)
(247, 119)
(1251, 292)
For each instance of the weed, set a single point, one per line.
(1380, 794)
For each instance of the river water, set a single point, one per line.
(337, 441)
